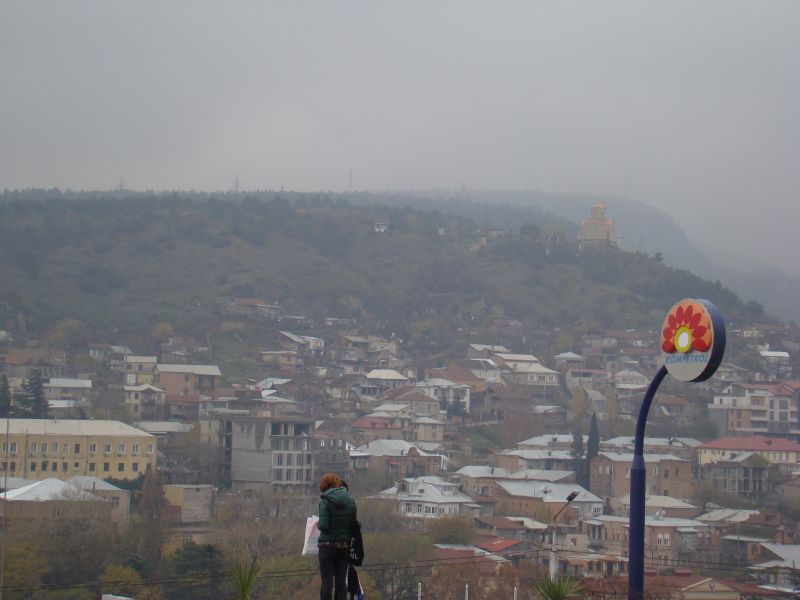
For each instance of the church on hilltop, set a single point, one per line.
(597, 230)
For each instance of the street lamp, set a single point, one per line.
(553, 556)
(692, 345)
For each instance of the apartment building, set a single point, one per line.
(44, 448)
(667, 475)
(263, 453)
(774, 450)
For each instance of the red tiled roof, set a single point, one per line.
(754, 443)
(497, 544)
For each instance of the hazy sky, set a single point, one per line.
(693, 107)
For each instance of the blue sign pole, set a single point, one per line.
(692, 345)
(638, 489)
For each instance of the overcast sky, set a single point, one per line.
(693, 107)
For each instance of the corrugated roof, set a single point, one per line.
(71, 427)
(758, 443)
(46, 490)
(193, 369)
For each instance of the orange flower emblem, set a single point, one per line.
(687, 328)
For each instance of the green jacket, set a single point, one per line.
(337, 514)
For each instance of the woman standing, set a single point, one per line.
(337, 515)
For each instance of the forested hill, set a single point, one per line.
(123, 262)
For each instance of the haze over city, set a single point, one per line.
(689, 107)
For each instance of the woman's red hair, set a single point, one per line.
(328, 481)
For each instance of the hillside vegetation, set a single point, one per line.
(125, 262)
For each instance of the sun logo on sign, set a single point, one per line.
(687, 328)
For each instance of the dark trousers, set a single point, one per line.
(333, 563)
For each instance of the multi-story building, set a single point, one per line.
(682, 447)
(519, 459)
(76, 391)
(185, 384)
(43, 448)
(667, 475)
(400, 458)
(145, 401)
(757, 408)
(541, 500)
(139, 370)
(423, 498)
(745, 476)
(772, 449)
(668, 542)
(275, 453)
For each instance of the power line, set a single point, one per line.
(416, 565)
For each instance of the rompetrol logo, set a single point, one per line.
(693, 340)
(686, 328)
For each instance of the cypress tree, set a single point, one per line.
(593, 442)
(579, 454)
(5, 397)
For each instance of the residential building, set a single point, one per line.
(682, 447)
(401, 459)
(52, 499)
(118, 498)
(139, 370)
(667, 475)
(423, 498)
(541, 500)
(547, 460)
(668, 543)
(43, 448)
(758, 408)
(780, 567)
(448, 393)
(77, 391)
(666, 506)
(145, 401)
(285, 362)
(746, 476)
(184, 385)
(772, 449)
(262, 453)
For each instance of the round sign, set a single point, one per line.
(693, 340)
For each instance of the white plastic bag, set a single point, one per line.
(312, 535)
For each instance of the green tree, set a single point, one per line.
(199, 567)
(5, 397)
(593, 440)
(579, 456)
(451, 530)
(29, 402)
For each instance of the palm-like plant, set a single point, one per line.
(557, 589)
(242, 576)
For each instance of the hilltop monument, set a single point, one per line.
(597, 230)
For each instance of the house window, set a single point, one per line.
(77, 448)
(107, 448)
(92, 467)
(54, 466)
(44, 447)
(63, 467)
(121, 448)
(627, 472)
(121, 467)
(666, 473)
(33, 446)
(92, 448)
(55, 447)
(114, 502)
(76, 465)
(33, 467)
(136, 448)
(149, 448)
(135, 467)
(13, 466)
(106, 467)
